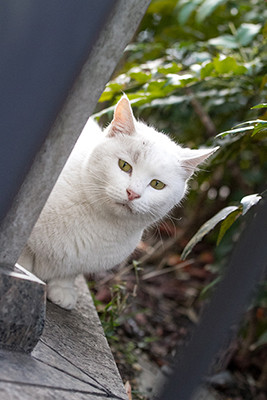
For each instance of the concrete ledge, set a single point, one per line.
(71, 361)
(22, 309)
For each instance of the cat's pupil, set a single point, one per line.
(156, 184)
(124, 166)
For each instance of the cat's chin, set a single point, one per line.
(127, 209)
(124, 206)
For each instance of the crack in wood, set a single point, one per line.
(107, 395)
(71, 375)
(99, 387)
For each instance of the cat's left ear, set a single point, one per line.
(123, 120)
(192, 158)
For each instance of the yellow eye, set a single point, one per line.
(157, 184)
(124, 166)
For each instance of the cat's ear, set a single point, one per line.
(192, 158)
(123, 120)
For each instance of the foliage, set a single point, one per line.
(175, 59)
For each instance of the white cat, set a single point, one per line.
(115, 184)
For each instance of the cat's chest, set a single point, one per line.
(101, 243)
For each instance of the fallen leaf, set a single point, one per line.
(128, 390)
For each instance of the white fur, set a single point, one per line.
(88, 223)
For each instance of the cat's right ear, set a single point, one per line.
(123, 120)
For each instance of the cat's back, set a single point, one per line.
(67, 189)
(90, 137)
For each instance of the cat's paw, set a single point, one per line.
(62, 294)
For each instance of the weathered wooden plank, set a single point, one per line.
(72, 360)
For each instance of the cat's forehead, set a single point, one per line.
(150, 155)
(150, 143)
(145, 146)
(137, 150)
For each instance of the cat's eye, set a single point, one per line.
(156, 184)
(124, 166)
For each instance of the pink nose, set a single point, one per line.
(132, 195)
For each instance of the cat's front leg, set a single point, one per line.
(62, 292)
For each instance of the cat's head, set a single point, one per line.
(141, 173)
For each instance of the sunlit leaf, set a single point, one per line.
(177, 80)
(249, 201)
(170, 68)
(253, 121)
(207, 227)
(229, 66)
(228, 41)
(170, 100)
(237, 130)
(106, 96)
(246, 33)
(263, 105)
(141, 77)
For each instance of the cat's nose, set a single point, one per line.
(132, 195)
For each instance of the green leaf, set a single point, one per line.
(206, 70)
(259, 128)
(160, 6)
(263, 105)
(250, 201)
(140, 77)
(246, 33)
(171, 68)
(106, 96)
(207, 227)
(109, 92)
(228, 65)
(186, 11)
(207, 8)
(156, 86)
(227, 223)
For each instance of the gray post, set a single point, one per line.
(79, 105)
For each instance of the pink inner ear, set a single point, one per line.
(123, 121)
(194, 158)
